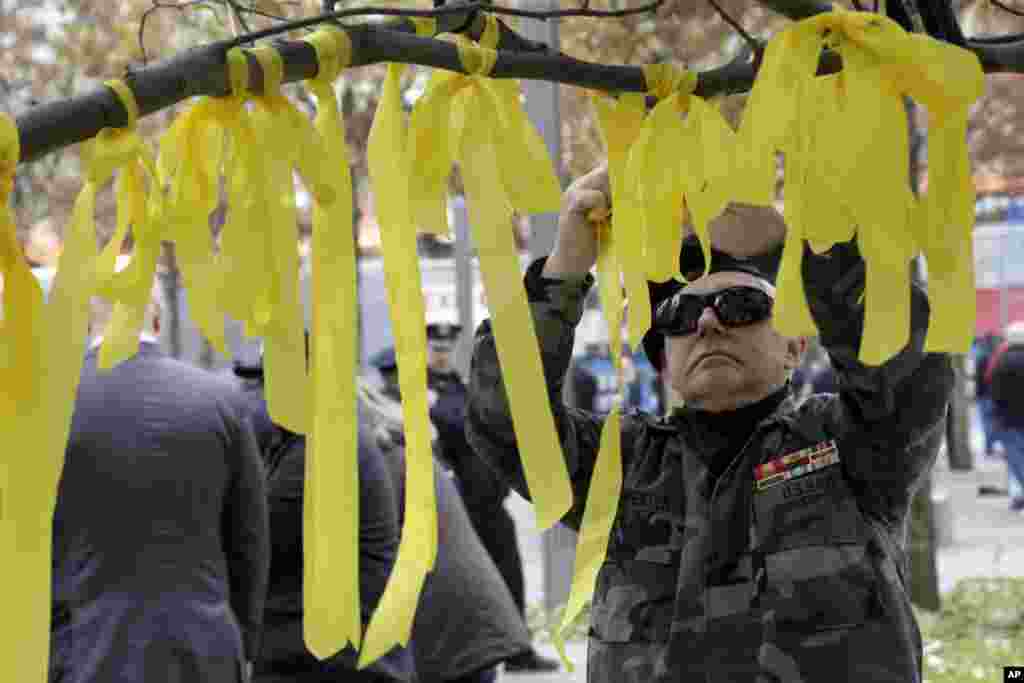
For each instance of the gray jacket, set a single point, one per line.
(718, 579)
(161, 546)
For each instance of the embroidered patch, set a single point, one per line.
(796, 464)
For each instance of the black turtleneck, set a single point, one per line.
(718, 437)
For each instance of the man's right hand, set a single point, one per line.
(575, 249)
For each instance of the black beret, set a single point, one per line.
(443, 331)
(385, 360)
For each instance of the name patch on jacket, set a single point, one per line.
(794, 465)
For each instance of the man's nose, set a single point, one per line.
(708, 322)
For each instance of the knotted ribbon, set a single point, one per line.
(606, 483)
(141, 211)
(23, 658)
(679, 162)
(42, 415)
(846, 147)
(504, 165)
(391, 624)
(331, 501)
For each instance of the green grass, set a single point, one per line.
(978, 631)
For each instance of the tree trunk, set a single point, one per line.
(924, 574)
(958, 423)
(171, 316)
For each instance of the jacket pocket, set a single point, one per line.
(814, 572)
(633, 602)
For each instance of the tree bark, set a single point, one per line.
(202, 71)
(958, 427)
(924, 573)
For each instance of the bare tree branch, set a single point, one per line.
(797, 9)
(202, 71)
(736, 26)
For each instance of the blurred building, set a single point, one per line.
(999, 252)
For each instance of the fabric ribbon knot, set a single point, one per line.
(681, 160)
(480, 123)
(845, 139)
(331, 598)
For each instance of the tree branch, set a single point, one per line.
(796, 9)
(202, 71)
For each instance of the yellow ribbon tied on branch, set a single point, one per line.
(389, 174)
(845, 143)
(20, 365)
(291, 145)
(680, 163)
(620, 123)
(480, 123)
(140, 211)
(331, 512)
(44, 419)
(606, 484)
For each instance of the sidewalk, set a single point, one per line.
(987, 540)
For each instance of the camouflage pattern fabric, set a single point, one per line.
(720, 580)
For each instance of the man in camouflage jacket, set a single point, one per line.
(757, 538)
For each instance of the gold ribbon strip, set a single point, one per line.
(139, 211)
(606, 484)
(331, 602)
(391, 624)
(505, 167)
(845, 140)
(43, 417)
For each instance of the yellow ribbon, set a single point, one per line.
(620, 124)
(291, 145)
(505, 167)
(245, 292)
(23, 658)
(677, 164)
(130, 289)
(388, 165)
(44, 417)
(331, 514)
(606, 484)
(425, 26)
(191, 155)
(25, 509)
(845, 141)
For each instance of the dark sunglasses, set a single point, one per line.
(734, 306)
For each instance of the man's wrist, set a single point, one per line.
(564, 294)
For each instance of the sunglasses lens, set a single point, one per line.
(734, 307)
(743, 306)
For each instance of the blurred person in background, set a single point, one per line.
(982, 352)
(1006, 378)
(284, 657)
(160, 539)
(482, 488)
(466, 622)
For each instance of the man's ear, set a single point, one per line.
(796, 347)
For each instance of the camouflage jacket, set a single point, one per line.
(799, 579)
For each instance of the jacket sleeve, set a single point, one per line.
(889, 419)
(557, 306)
(247, 536)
